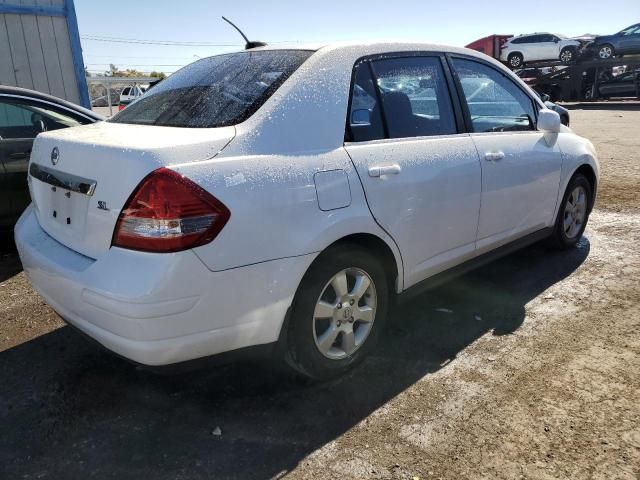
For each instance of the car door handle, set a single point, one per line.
(385, 170)
(493, 156)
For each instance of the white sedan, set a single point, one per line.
(284, 197)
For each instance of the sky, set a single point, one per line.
(452, 22)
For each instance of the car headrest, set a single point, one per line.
(397, 105)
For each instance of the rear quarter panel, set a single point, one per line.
(274, 207)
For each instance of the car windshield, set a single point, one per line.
(215, 91)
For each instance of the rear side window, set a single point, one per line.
(215, 91)
(126, 91)
(521, 40)
(407, 97)
(495, 102)
(415, 98)
(365, 119)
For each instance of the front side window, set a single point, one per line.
(495, 102)
(215, 91)
(415, 97)
(20, 119)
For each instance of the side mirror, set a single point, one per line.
(361, 117)
(544, 97)
(548, 121)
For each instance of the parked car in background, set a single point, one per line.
(625, 42)
(537, 47)
(212, 215)
(129, 94)
(23, 115)
(623, 85)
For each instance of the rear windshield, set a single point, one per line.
(215, 91)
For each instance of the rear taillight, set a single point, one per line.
(168, 213)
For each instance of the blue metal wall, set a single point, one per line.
(66, 10)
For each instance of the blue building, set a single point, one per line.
(40, 49)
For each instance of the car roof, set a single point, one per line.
(369, 47)
(538, 33)
(24, 92)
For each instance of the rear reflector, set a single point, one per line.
(168, 213)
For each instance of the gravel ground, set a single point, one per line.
(532, 371)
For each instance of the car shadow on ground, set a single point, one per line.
(71, 410)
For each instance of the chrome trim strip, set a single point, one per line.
(63, 180)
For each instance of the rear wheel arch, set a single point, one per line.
(298, 345)
(369, 242)
(380, 248)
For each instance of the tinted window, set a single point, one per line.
(520, 40)
(365, 118)
(126, 91)
(495, 102)
(216, 91)
(23, 120)
(415, 98)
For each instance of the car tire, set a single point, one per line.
(515, 60)
(567, 55)
(573, 213)
(588, 93)
(324, 342)
(605, 52)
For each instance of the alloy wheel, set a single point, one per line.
(344, 313)
(566, 56)
(575, 212)
(605, 52)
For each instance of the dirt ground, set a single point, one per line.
(532, 370)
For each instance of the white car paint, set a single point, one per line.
(293, 188)
(535, 50)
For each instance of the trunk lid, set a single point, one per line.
(80, 178)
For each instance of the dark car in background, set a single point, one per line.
(625, 42)
(23, 115)
(624, 85)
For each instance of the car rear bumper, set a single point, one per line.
(159, 309)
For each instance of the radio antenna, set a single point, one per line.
(249, 44)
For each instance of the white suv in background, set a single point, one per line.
(537, 47)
